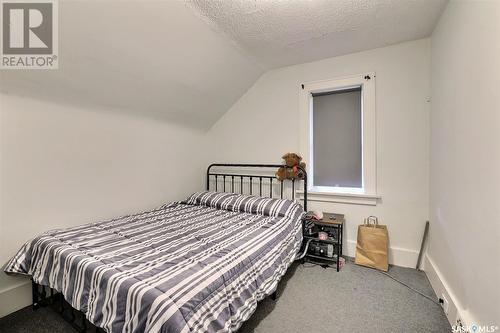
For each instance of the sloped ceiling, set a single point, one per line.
(280, 33)
(156, 58)
(189, 61)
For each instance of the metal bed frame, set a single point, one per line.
(46, 296)
(258, 177)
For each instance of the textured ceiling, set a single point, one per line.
(153, 58)
(189, 61)
(279, 33)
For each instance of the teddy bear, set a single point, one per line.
(291, 171)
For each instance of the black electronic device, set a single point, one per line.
(321, 249)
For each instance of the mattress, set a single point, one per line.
(200, 265)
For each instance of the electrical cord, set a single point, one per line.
(392, 277)
(381, 272)
(305, 250)
(410, 287)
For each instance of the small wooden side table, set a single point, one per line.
(333, 225)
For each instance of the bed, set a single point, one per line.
(197, 265)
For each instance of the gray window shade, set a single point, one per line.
(337, 150)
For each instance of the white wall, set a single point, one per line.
(64, 166)
(464, 250)
(264, 124)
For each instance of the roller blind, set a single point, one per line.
(337, 138)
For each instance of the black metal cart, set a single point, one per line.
(319, 250)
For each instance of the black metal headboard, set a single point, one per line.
(228, 179)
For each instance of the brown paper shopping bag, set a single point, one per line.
(371, 249)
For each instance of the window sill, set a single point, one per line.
(346, 198)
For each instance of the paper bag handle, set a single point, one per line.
(371, 220)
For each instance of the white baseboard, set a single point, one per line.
(15, 298)
(441, 287)
(397, 256)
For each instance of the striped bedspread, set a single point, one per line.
(199, 265)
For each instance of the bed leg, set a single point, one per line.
(34, 293)
(84, 323)
(274, 296)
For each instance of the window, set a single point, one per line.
(338, 135)
(336, 139)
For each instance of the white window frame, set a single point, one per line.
(367, 194)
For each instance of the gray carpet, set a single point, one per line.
(313, 299)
